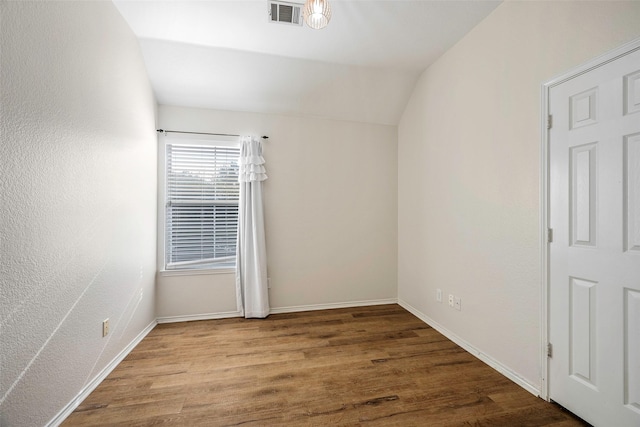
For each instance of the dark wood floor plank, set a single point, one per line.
(363, 366)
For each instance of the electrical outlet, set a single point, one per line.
(439, 295)
(450, 300)
(105, 327)
(458, 303)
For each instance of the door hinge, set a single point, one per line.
(550, 235)
(549, 350)
(549, 121)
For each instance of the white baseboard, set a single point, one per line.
(71, 406)
(95, 382)
(276, 310)
(472, 350)
(205, 316)
(329, 306)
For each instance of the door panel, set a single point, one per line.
(632, 190)
(594, 260)
(583, 194)
(582, 332)
(632, 347)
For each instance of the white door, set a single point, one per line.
(594, 258)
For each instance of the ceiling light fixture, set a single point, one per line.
(317, 13)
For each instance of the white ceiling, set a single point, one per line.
(363, 66)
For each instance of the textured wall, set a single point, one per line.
(330, 212)
(77, 201)
(469, 171)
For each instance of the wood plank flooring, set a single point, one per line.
(366, 366)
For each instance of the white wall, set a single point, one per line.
(77, 201)
(330, 213)
(469, 171)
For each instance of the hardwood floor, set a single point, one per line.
(377, 366)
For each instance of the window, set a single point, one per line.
(201, 204)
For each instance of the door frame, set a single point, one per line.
(597, 62)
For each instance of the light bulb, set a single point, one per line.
(317, 13)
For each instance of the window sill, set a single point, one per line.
(209, 271)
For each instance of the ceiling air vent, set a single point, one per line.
(285, 13)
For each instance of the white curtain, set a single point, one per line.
(251, 260)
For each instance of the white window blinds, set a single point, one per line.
(202, 194)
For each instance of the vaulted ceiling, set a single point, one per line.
(363, 66)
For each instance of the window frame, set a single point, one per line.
(182, 139)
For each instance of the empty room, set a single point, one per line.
(320, 212)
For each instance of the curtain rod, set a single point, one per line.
(203, 133)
